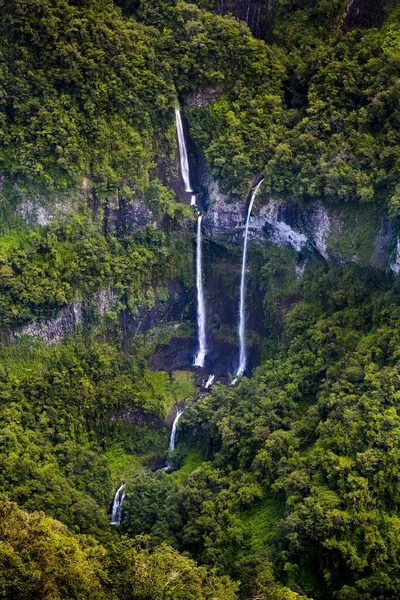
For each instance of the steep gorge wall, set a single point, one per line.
(344, 235)
(348, 234)
(259, 14)
(253, 12)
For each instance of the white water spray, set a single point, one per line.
(201, 308)
(183, 155)
(116, 509)
(242, 314)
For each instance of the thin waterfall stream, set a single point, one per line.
(173, 432)
(173, 436)
(183, 152)
(209, 382)
(242, 312)
(117, 503)
(201, 308)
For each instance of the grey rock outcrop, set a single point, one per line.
(122, 218)
(205, 96)
(336, 234)
(53, 330)
(38, 213)
(281, 223)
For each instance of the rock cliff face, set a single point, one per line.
(205, 96)
(37, 213)
(253, 12)
(358, 13)
(354, 235)
(53, 330)
(364, 13)
(343, 235)
(177, 306)
(122, 218)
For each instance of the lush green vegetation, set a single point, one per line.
(82, 90)
(301, 459)
(316, 108)
(319, 120)
(286, 486)
(55, 422)
(41, 271)
(40, 558)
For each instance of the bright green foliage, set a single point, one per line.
(163, 574)
(57, 404)
(88, 92)
(40, 558)
(307, 448)
(292, 475)
(42, 271)
(321, 122)
(82, 89)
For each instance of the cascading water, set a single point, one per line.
(116, 509)
(242, 314)
(248, 11)
(173, 432)
(183, 156)
(201, 308)
(209, 382)
(173, 435)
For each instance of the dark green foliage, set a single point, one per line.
(310, 117)
(293, 474)
(57, 403)
(82, 89)
(44, 270)
(308, 446)
(321, 122)
(40, 558)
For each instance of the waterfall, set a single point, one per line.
(395, 265)
(209, 382)
(173, 432)
(183, 155)
(173, 436)
(248, 11)
(116, 509)
(201, 309)
(242, 315)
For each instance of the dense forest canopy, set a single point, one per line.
(286, 485)
(84, 89)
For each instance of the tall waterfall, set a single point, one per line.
(242, 314)
(116, 509)
(183, 155)
(173, 432)
(201, 308)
